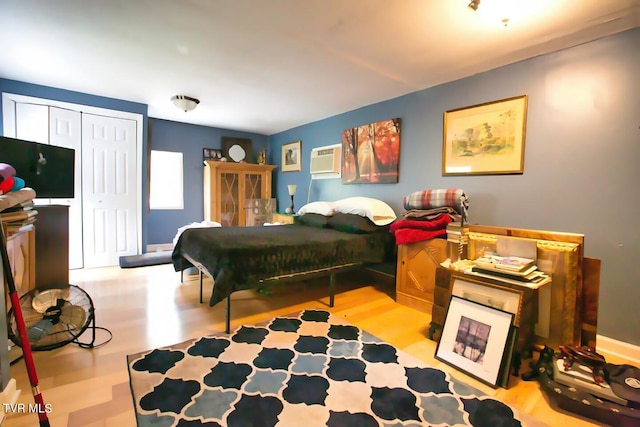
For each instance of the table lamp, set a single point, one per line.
(292, 192)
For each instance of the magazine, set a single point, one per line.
(511, 263)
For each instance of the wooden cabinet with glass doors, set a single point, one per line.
(228, 185)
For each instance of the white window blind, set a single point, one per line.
(166, 189)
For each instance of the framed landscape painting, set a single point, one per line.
(370, 153)
(485, 139)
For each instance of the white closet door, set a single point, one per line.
(32, 122)
(65, 131)
(108, 189)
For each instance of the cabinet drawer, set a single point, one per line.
(416, 272)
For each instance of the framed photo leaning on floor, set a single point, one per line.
(474, 339)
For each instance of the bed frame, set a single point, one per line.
(330, 271)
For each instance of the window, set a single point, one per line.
(166, 180)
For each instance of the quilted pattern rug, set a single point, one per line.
(308, 369)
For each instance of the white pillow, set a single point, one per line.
(322, 208)
(376, 210)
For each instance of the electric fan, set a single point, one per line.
(54, 317)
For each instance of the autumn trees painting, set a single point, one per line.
(370, 153)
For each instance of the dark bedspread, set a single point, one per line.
(240, 257)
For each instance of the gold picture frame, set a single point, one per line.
(291, 157)
(485, 139)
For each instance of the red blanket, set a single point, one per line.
(439, 223)
(410, 235)
(411, 231)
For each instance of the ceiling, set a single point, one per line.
(269, 65)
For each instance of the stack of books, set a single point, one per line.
(20, 217)
(457, 233)
(513, 269)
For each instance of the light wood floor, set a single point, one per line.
(148, 307)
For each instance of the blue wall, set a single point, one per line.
(580, 173)
(158, 226)
(581, 168)
(190, 140)
(45, 92)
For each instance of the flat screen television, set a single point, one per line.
(48, 169)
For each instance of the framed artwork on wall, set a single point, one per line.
(370, 153)
(485, 139)
(291, 157)
(211, 154)
(237, 149)
(474, 339)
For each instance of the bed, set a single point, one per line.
(239, 258)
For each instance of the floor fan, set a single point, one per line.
(22, 332)
(53, 317)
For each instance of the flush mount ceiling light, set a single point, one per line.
(493, 11)
(184, 102)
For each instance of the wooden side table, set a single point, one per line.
(283, 218)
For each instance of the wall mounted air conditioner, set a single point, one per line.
(326, 162)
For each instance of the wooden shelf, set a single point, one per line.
(21, 251)
(228, 185)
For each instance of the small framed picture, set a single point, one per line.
(291, 161)
(475, 339)
(211, 154)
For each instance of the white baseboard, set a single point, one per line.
(10, 394)
(160, 247)
(609, 346)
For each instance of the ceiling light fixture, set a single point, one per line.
(474, 4)
(493, 11)
(184, 102)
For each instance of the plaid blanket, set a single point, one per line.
(430, 214)
(429, 199)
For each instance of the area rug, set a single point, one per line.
(309, 369)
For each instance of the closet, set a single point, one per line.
(105, 213)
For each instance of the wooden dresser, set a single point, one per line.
(416, 272)
(21, 252)
(228, 185)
